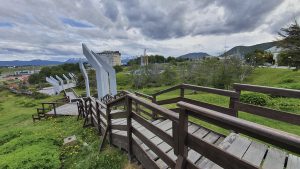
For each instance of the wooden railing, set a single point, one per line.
(101, 115)
(268, 112)
(234, 96)
(278, 138)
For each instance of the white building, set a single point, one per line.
(275, 51)
(113, 58)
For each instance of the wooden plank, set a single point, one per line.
(169, 101)
(228, 93)
(144, 158)
(278, 138)
(268, 90)
(293, 162)
(154, 148)
(149, 134)
(275, 159)
(224, 159)
(239, 146)
(255, 153)
(154, 107)
(269, 113)
(208, 106)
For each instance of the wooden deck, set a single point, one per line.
(68, 109)
(254, 152)
(172, 141)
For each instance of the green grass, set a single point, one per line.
(24, 144)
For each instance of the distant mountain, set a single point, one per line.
(29, 63)
(126, 58)
(75, 60)
(241, 51)
(192, 56)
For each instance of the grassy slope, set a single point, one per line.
(24, 144)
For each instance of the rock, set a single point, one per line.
(71, 140)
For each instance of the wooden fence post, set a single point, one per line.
(182, 139)
(181, 92)
(232, 104)
(98, 118)
(154, 115)
(175, 136)
(109, 124)
(129, 126)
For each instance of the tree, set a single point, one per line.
(291, 44)
(259, 57)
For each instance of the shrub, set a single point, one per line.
(255, 98)
(118, 68)
(37, 95)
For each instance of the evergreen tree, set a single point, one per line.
(291, 45)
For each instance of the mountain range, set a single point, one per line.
(195, 55)
(241, 51)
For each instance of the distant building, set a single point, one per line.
(25, 72)
(111, 57)
(275, 51)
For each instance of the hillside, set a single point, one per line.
(29, 63)
(197, 55)
(241, 51)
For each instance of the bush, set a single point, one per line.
(37, 95)
(255, 98)
(118, 68)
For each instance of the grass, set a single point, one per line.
(24, 144)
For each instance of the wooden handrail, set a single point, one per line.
(158, 109)
(143, 95)
(268, 90)
(279, 138)
(167, 90)
(222, 92)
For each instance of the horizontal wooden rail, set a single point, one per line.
(119, 127)
(143, 95)
(228, 93)
(118, 115)
(268, 90)
(167, 90)
(160, 133)
(154, 148)
(168, 101)
(154, 107)
(208, 106)
(279, 138)
(269, 113)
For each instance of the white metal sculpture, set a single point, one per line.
(86, 79)
(100, 73)
(54, 84)
(110, 72)
(67, 79)
(61, 82)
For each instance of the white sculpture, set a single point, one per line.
(100, 73)
(86, 79)
(110, 72)
(61, 82)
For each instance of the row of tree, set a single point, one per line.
(156, 59)
(208, 72)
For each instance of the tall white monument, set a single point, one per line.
(86, 79)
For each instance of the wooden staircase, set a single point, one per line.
(170, 140)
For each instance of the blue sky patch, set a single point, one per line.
(76, 23)
(6, 25)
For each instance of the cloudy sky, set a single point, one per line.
(55, 29)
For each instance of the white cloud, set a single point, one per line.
(35, 30)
